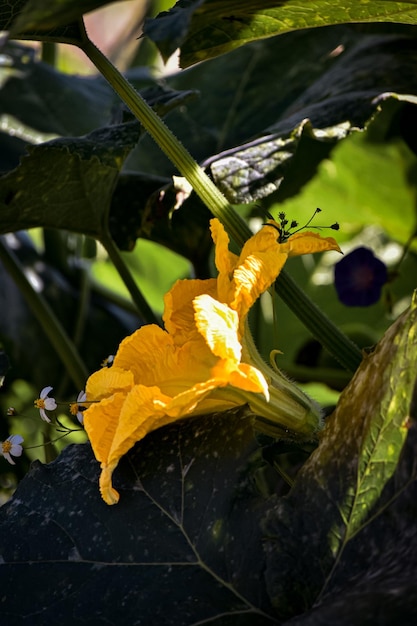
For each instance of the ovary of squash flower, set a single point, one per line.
(204, 361)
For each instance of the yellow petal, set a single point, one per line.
(218, 324)
(149, 353)
(108, 492)
(243, 279)
(254, 276)
(192, 400)
(106, 381)
(224, 259)
(248, 378)
(179, 312)
(266, 239)
(101, 421)
(139, 412)
(308, 243)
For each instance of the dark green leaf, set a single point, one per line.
(342, 513)
(252, 132)
(255, 86)
(207, 29)
(183, 546)
(53, 20)
(374, 583)
(75, 177)
(42, 100)
(37, 100)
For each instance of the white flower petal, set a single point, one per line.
(16, 450)
(44, 415)
(45, 392)
(15, 439)
(50, 404)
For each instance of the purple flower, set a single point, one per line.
(359, 278)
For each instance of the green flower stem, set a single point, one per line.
(288, 405)
(141, 304)
(319, 325)
(51, 326)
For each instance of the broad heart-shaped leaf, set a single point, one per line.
(41, 99)
(204, 29)
(182, 547)
(252, 132)
(52, 20)
(336, 524)
(66, 183)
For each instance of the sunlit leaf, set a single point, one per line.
(369, 176)
(205, 29)
(341, 490)
(258, 169)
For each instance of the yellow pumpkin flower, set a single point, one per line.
(204, 360)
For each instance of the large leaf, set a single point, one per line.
(53, 20)
(43, 100)
(37, 100)
(377, 586)
(183, 546)
(66, 183)
(205, 29)
(252, 133)
(344, 510)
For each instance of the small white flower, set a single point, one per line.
(43, 403)
(77, 408)
(11, 447)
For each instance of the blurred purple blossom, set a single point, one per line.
(359, 278)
